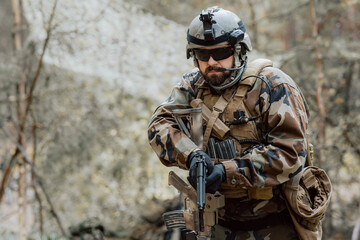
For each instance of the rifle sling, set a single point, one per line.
(218, 108)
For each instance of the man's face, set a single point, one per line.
(208, 68)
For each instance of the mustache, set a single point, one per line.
(211, 68)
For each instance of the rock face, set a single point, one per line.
(107, 65)
(115, 41)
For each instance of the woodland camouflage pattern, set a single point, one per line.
(282, 130)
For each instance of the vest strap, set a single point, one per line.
(253, 69)
(218, 108)
(200, 93)
(241, 91)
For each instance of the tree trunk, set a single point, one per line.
(253, 25)
(319, 83)
(21, 95)
(16, 31)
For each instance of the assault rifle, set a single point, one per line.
(200, 211)
(200, 189)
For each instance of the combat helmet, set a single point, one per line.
(216, 26)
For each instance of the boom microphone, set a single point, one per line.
(220, 69)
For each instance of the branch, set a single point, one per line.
(37, 195)
(39, 180)
(7, 172)
(38, 70)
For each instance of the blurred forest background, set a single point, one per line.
(79, 81)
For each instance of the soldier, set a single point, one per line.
(254, 136)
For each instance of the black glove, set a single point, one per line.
(193, 158)
(214, 180)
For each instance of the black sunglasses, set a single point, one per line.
(216, 53)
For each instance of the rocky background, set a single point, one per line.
(106, 65)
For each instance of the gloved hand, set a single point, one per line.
(193, 158)
(214, 180)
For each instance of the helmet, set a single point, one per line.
(216, 26)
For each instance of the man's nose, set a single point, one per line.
(211, 61)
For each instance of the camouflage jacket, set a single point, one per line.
(282, 128)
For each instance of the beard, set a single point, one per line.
(215, 79)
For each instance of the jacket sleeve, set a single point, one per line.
(170, 144)
(283, 124)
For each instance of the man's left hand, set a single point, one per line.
(216, 177)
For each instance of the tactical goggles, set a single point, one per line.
(216, 53)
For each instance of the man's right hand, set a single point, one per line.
(193, 158)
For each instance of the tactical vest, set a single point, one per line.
(223, 108)
(312, 183)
